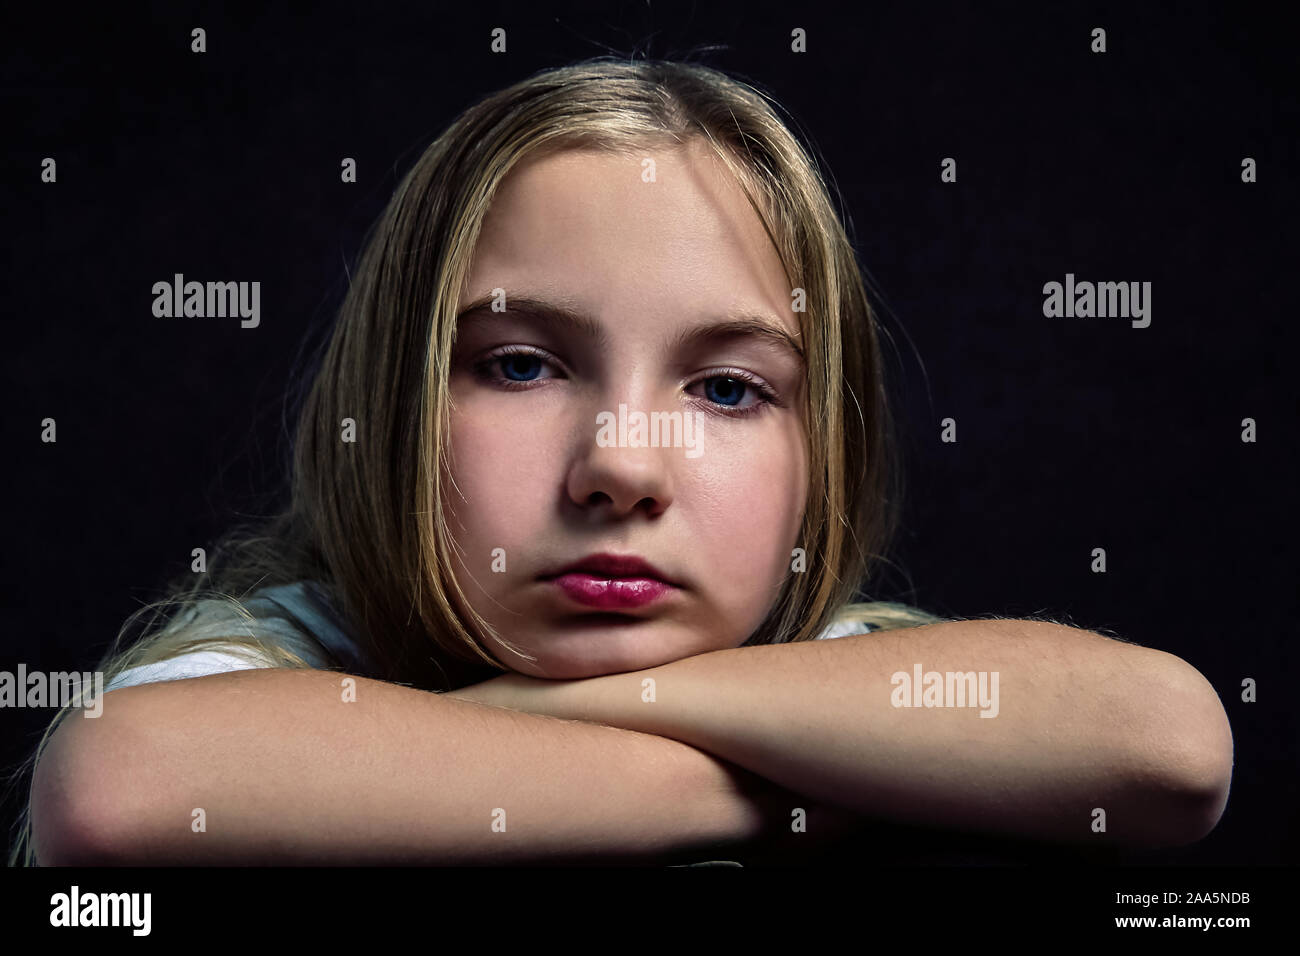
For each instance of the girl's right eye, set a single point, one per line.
(514, 366)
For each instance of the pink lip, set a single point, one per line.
(610, 593)
(606, 565)
(612, 582)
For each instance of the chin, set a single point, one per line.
(573, 654)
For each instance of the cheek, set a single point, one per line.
(501, 472)
(748, 504)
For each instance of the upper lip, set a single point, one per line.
(613, 566)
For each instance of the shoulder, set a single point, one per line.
(222, 634)
(311, 610)
(863, 618)
(846, 628)
(192, 664)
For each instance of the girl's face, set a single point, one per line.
(629, 290)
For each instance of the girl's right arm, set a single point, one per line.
(274, 766)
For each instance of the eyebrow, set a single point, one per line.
(580, 323)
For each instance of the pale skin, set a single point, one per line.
(648, 263)
(1088, 728)
(588, 763)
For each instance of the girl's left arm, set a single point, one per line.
(1063, 734)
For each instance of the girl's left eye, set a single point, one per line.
(727, 391)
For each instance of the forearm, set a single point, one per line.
(1083, 723)
(287, 772)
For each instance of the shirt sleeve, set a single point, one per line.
(193, 664)
(215, 620)
(844, 629)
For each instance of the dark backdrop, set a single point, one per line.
(1074, 433)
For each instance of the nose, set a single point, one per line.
(619, 478)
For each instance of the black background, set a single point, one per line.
(1074, 433)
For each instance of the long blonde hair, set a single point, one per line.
(366, 518)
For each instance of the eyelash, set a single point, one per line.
(766, 396)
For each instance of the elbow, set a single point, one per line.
(1185, 761)
(1185, 797)
(80, 796)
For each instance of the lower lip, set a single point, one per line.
(609, 593)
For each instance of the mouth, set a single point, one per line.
(611, 582)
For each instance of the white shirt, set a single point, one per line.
(298, 617)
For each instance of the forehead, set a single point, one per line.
(654, 233)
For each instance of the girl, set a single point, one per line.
(597, 452)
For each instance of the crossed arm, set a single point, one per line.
(1083, 738)
(294, 766)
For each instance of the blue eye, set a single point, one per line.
(520, 368)
(730, 393)
(726, 393)
(514, 366)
